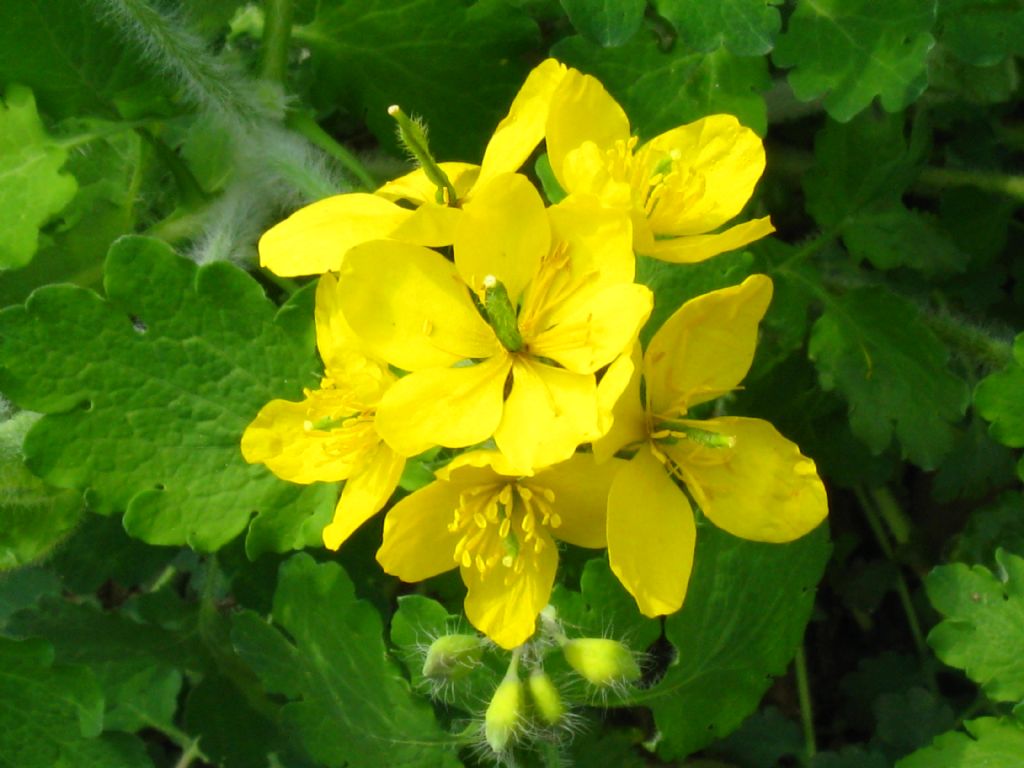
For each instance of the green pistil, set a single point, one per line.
(675, 431)
(414, 138)
(501, 314)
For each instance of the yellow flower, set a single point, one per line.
(316, 238)
(331, 435)
(747, 478)
(499, 528)
(679, 187)
(527, 377)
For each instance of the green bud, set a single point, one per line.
(413, 136)
(501, 314)
(601, 661)
(452, 656)
(546, 698)
(504, 713)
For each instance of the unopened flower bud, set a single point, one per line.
(601, 661)
(546, 698)
(504, 713)
(452, 656)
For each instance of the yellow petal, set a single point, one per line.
(519, 133)
(430, 224)
(504, 605)
(717, 163)
(581, 489)
(335, 339)
(503, 232)
(766, 490)
(364, 494)
(282, 438)
(599, 240)
(628, 419)
(691, 249)
(705, 348)
(417, 543)
(588, 170)
(548, 413)
(651, 535)
(410, 307)
(586, 335)
(454, 407)
(316, 238)
(582, 110)
(417, 188)
(480, 467)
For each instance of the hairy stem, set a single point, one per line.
(277, 31)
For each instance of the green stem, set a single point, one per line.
(190, 753)
(867, 504)
(992, 353)
(277, 30)
(551, 755)
(192, 194)
(306, 126)
(102, 131)
(1001, 183)
(803, 692)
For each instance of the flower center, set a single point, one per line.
(503, 525)
(348, 423)
(662, 187)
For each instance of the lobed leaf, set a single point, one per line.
(606, 22)
(745, 27)
(32, 186)
(148, 391)
(455, 65)
(983, 629)
(348, 703)
(988, 743)
(744, 616)
(660, 90)
(847, 52)
(872, 346)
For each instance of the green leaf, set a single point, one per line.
(765, 738)
(23, 588)
(349, 704)
(999, 398)
(605, 22)
(856, 189)
(416, 624)
(149, 390)
(137, 665)
(988, 743)
(74, 63)
(999, 524)
(745, 27)
(603, 608)
(660, 90)
(34, 517)
(910, 719)
(109, 201)
(975, 467)
(850, 757)
(32, 187)
(50, 711)
(872, 346)
(983, 629)
(849, 51)
(232, 734)
(456, 66)
(982, 32)
(743, 618)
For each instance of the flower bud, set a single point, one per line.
(546, 698)
(601, 661)
(504, 713)
(452, 656)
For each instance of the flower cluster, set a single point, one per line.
(457, 309)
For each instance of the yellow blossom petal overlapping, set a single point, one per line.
(457, 310)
